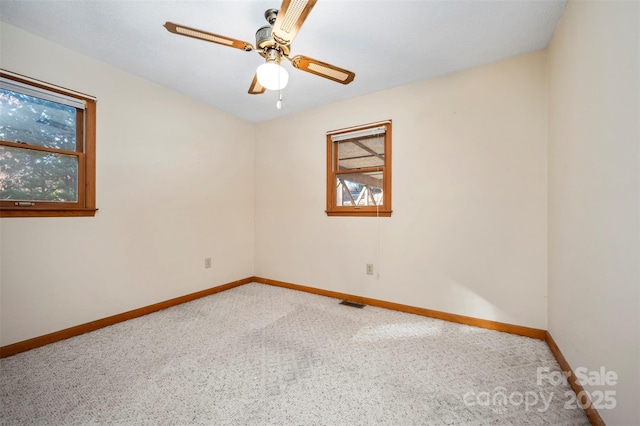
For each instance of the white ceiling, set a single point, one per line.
(386, 43)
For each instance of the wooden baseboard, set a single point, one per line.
(476, 322)
(36, 342)
(592, 413)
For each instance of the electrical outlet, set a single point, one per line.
(369, 268)
(207, 262)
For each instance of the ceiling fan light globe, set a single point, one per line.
(272, 76)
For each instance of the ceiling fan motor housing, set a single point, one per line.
(264, 36)
(264, 39)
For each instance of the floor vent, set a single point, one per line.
(352, 304)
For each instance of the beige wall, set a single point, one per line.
(174, 185)
(469, 230)
(594, 190)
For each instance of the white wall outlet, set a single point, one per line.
(207, 262)
(369, 268)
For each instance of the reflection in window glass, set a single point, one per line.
(359, 189)
(361, 153)
(34, 121)
(37, 175)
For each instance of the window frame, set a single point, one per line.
(85, 152)
(383, 210)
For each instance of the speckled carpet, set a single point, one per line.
(262, 355)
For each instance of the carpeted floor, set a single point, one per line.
(262, 355)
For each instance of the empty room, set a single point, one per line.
(320, 212)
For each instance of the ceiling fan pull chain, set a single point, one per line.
(279, 101)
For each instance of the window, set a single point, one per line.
(359, 171)
(47, 149)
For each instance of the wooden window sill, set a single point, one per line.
(35, 212)
(360, 213)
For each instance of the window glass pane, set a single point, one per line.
(359, 189)
(360, 153)
(35, 121)
(28, 175)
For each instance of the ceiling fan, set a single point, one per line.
(273, 43)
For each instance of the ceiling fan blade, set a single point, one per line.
(256, 88)
(323, 69)
(203, 35)
(290, 17)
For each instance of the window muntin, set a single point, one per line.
(47, 150)
(359, 171)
